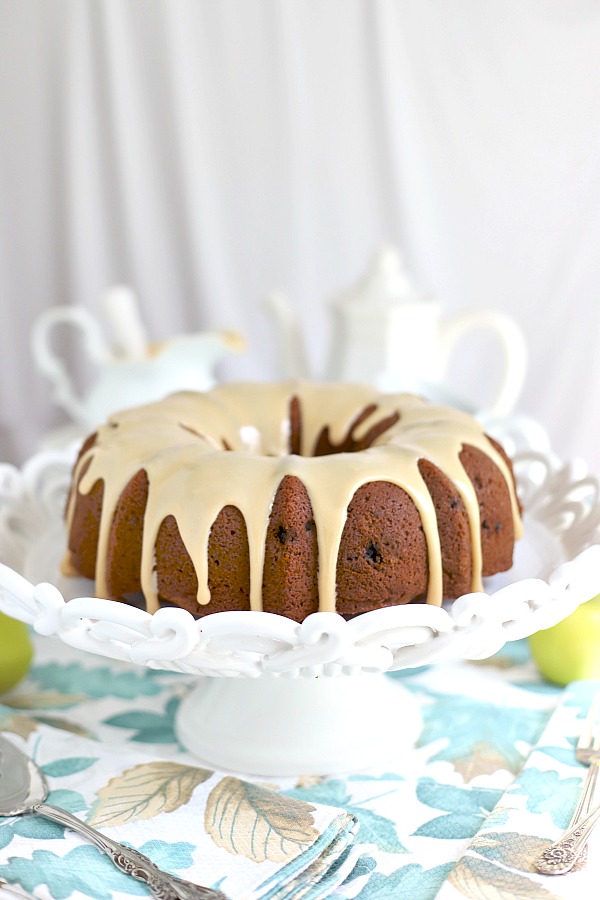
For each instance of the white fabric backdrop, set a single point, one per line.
(206, 152)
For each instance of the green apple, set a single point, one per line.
(15, 652)
(570, 650)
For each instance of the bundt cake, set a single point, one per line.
(290, 498)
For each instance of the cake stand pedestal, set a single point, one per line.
(313, 726)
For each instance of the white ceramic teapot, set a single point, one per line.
(387, 333)
(129, 370)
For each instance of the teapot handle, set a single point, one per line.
(54, 368)
(512, 343)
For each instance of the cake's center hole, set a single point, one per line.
(324, 444)
(350, 443)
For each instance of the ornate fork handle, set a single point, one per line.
(584, 806)
(560, 857)
(132, 862)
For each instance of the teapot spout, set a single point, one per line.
(292, 356)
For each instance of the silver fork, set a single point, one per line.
(571, 850)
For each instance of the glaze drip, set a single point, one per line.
(334, 438)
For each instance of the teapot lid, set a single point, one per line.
(385, 283)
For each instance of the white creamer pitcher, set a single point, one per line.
(128, 370)
(388, 333)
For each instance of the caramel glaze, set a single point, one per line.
(209, 465)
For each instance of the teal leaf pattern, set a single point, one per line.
(409, 882)
(83, 869)
(466, 809)
(548, 793)
(97, 682)
(497, 818)
(580, 695)
(149, 727)
(6, 835)
(68, 766)
(408, 673)
(332, 792)
(516, 652)
(538, 687)
(453, 799)
(34, 828)
(374, 828)
(451, 827)
(364, 865)
(72, 801)
(169, 857)
(88, 870)
(469, 726)
(563, 755)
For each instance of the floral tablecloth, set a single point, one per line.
(492, 780)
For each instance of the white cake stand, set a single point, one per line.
(268, 699)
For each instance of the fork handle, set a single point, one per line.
(560, 857)
(585, 805)
(587, 793)
(132, 862)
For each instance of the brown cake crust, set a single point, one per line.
(125, 538)
(383, 553)
(383, 559)
(290, 571)
(497, 528)
(84, 531)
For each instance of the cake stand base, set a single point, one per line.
(298, 726)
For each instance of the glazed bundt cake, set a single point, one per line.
(290, 498)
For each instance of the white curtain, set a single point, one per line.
(206, 152)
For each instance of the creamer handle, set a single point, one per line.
(53, 367)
